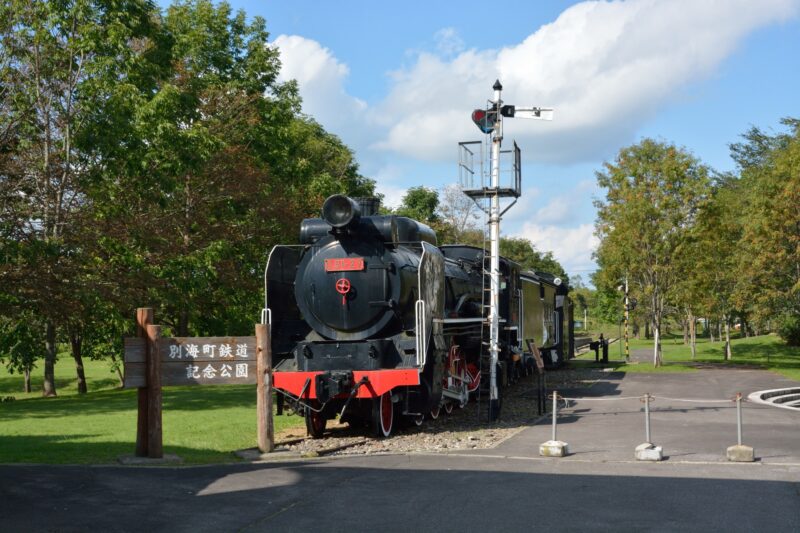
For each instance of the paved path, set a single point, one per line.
(506, 489)
(688, 431)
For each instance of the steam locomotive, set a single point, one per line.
(373, 322)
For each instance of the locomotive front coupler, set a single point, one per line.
(332, 383)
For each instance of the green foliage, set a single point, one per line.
(522, 251)
(789, 329)
(149, 159)
(767, 352)
(653, 194)
(420, 203)
(768, 252)
(62, 65)
(21, 343)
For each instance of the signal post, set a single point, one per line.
(490, 122)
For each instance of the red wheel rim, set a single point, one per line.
(387, 413)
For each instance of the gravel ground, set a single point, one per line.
(463, 429)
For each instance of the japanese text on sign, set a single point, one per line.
(221, 351)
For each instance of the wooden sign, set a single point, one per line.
(152, 361)
(194, 361)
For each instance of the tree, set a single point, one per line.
(710, 278)
(768, 266)
(220, 165)
(420, 203)
(653, 193)
(60, 62)
(522, 251)
(22, 342)
(459, 216)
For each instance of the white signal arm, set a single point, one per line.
(540, 113)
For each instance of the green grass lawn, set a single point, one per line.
(766, 351)
(200, 424)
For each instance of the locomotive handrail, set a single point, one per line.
(457, 320)
(422, 332)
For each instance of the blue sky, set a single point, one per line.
(397, 82)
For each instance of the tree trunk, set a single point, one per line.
(719, 329)
(728, 352)
(27, 374)
(685, 327)
(656, 344)
(646, 330)
(49, 383)
(77, 344)
(710, 330)
(693, 335)
(183, 323)
(118, 368)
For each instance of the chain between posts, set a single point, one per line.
(647, 398)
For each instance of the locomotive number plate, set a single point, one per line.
(346, 264)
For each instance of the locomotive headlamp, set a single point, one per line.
(340, 211)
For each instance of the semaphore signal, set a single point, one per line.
(490, 122)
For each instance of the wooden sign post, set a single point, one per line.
(144, 317)
(154, 441)
(152, 361)
(266, 432)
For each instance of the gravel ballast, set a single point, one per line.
(463, 429)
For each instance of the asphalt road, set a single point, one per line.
(509, 488)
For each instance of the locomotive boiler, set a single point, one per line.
(375, 324)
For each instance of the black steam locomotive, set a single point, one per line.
(371, 321)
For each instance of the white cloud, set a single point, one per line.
(448, 42)
(571, 246)
(605, 66)
(556, 211)
(321, 79)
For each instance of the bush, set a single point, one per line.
(789, 329)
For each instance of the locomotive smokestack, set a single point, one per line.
(369, 205)
(340, 211)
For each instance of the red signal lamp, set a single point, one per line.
(484, 119)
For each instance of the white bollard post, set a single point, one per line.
(555, 415)
(553, 447)
(647, 451)
(740, 453)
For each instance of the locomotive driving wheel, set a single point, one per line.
(383, 415)
(315, 422)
